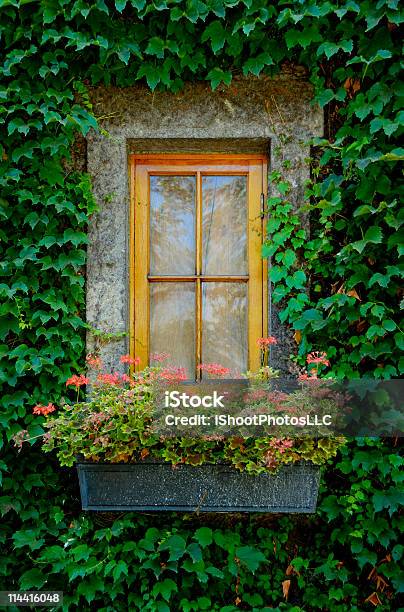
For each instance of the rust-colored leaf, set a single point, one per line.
(381, 583)
(290, 571)
(352, 85)
(373, 599)
(353, 293)
(237, 601)
(297, 336)
(285, 588)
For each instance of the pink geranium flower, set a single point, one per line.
(129, 360)
(214, 369)
(77, 381)
(44, 410)
(317, 357)
(263, 343)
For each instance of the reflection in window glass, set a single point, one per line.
(172, 323)
(224, 325)
(224, 225)
(172, 225)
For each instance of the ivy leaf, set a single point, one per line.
(27, 537)
(325, 97)
(51, 172)
(89, 587)
(365, 209)
(251, 557)
(176, 14)
(76, 238)
(309, 316)
(165, 588)
(81, 552)
(328, 48)
(32, 578)
(120, 568)
(120, 5)
(380, 279)
(151, 73)
(195, 552)
(366, 556)
(18, 125)
(216, 34)
(214, 571)
(204, 536)
(256, 64)
(217, 76)
(124, 55)
(218, 8)
(138, 4)
(156, 47)
(373, 234)
(289, 258)
(175, 545)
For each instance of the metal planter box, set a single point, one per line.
(205, 488)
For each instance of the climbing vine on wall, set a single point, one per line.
(338, 288)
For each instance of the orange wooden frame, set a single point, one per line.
(141, 167)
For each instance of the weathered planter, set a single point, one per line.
(205, 488)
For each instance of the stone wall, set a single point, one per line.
(254, 114)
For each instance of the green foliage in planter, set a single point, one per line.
(352, 53)
(116, 424)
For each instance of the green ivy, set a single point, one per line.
(335, 560)
(338, 288)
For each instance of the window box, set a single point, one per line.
(154, 486)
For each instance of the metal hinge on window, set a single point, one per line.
(262, 205)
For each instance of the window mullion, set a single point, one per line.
(198, 272)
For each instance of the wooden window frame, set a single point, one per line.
(141, 167)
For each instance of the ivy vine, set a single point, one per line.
(338, 288)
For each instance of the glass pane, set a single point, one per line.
(224, 326)
(172, 323)
(224, 224)
(172, 225)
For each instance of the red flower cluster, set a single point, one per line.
(77, 381)
(173, 375)
(44, 410)
(263, 343)
(110, 379)
(318, 358)
(94, 361)
(308, 377)
(129, 360)
(214, 369)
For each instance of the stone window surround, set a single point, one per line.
(253, 115)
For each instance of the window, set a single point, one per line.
(196, 273)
